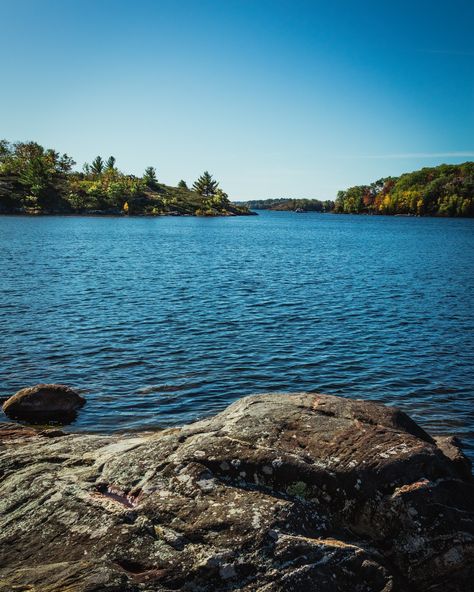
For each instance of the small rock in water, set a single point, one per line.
(44, 402)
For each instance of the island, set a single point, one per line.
(35, 180)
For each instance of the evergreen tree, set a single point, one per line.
(5, 150)
(97, 166)
(182, 184)
(205, 185)
(111, 163)
(150, 176)
(65, 163)
(36, 176)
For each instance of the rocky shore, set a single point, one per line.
(289, 493)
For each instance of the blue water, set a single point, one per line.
(165, 320)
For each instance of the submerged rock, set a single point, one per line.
(286, 493)
(44, 402)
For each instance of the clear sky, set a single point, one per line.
(276, 98)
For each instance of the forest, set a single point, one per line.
(445, 190)
(37, 180)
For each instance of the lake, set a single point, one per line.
(165, 320)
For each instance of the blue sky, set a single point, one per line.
(276, 98)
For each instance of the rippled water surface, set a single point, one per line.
(165, 320)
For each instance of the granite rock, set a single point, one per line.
(291, 493)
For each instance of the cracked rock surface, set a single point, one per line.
(290, 493)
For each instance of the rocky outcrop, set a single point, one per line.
(286, 493)
(44, 402)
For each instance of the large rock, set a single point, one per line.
(286, 493)
(44, 402)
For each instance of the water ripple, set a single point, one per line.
(163, 321)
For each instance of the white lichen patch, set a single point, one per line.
(256, 520)
(397, 450)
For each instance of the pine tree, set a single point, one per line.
(205, 185)
(97, 166)
(182, 184)
(111, 163)
(150, 176)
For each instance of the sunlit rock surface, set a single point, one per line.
(278, 492)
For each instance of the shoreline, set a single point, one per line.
(99, 215)
(227, 215)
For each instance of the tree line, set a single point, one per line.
(445, 190)
(34, 179)
(291, 204)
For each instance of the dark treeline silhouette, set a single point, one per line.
(293, 204)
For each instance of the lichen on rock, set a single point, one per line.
(299, 492)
